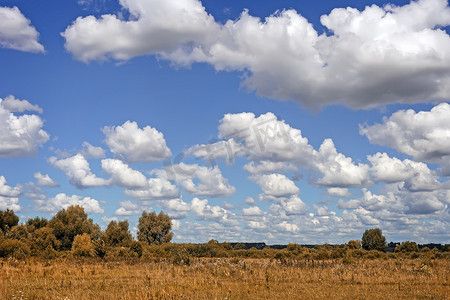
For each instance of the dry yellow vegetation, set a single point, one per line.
(225, 278)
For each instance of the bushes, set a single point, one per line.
(82, 245)
(14, 248)
(407, 247)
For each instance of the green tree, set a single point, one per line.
(154, 228)
(117, 234)
(8, 219)
(70, 222)
(373, 239)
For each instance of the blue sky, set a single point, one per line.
(275, 121)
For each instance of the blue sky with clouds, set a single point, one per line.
(275, 121)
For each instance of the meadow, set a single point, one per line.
(225, 278)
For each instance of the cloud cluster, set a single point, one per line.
(399, 194)
(16, 31)
(9, 196)
(271, 146)
(424, 135)
(21, 135)
(62, 200)
(210, 180)
(78, 171)
(365, 59)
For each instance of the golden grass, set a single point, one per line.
(225, 279)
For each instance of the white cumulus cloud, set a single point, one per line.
(45, 180)
(122, 175)
(62, 200)
(424, 135)
(201, 181)
(135, 144)
(381, 54)
(21, 135)
(78, 171)
(16, 31)
(8, 191)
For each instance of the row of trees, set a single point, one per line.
(71, 232)
(71, 229)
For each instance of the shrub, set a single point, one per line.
(42, 238)
(18, 232)
(407, 247)
(295, 249)
(14, 248)
(49, 253)
(239, 246)
(136, 247)
(82, 245)
(99, 248)
(180, 256)
(354, 244)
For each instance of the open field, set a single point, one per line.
(225, 278)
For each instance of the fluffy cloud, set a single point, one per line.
(78, 171)
(338, 192)
(45, 180)
(62, 200)
(153, 26)
(176, 208)
(8, 191)
(16, 31)
(135, 144)
(11, 104)
(265, 138)
(338, 170)
(280, 189)
(210, 213)
(210, 180)
(285, 56)
(424, 135)
(20, 135)
(277, 185)
(128, 208)
(396, 204)
(122, 175)
(90, 151)
(159, 187)
(416, 175)
(10, 203)
(252, 211)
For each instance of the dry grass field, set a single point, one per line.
(226, 279)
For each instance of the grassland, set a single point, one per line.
(225, 278)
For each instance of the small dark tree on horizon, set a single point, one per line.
(373, 239)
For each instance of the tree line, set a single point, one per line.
(72, 233)
(71, 230)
